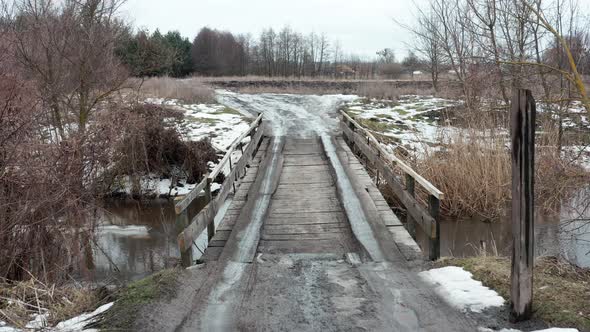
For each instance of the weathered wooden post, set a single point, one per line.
(522, 129)
(434, 243)
(208, 199)
(182, 221)
(410, 223)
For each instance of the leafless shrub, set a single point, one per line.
(148, 142)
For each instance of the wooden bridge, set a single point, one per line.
(301, 238)
(306, 212)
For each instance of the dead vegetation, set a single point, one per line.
(191, 91)
(20, 301)
(472, 166)
(148, 142)
(561, 290)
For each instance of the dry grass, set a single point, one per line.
(561, 290)
(191, 91)
(295, 89)
(387, 91)
(473, 169)
(20, 300)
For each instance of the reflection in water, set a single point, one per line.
(566, 234)
(134, 240)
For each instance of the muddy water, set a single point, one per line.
(133, 240)
(565, 234)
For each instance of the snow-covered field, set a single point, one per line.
(222, 125)
(411, 121)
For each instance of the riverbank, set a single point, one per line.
(561, 290)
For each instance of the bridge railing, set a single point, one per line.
(402, 180)
(205, 218)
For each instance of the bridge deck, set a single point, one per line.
(305, 264)
(305, 214)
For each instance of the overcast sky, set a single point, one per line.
(362, 27)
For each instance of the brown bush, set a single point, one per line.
(150, 143)
(473, 169)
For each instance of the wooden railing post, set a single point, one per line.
(522, 130)
(411, 188)
(434, 242)
(182, 221)
(209, 198)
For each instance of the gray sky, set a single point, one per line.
(362, 27)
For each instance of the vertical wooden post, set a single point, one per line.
(209, 198)
(182, 221)
(434, 243)
(410, 223)
(353, 129)
(376, 168)
(522, 130)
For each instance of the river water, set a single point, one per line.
(564, 234)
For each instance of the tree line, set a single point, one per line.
(283, 53)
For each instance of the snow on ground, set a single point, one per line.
(75, 324)
(411, 121)
(214, 121)
(460, 290)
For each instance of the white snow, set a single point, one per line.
(459, 289)
(407, 118)
(75, 324)
(214, 121)
(78, 323)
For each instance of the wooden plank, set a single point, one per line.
(295, 160)
(221, 235)
(429, 187)
(305, 236)
(229, 182)
(306, 218)
(211, 254)
(414, 208)
(410, 223)
(522, 130)
(297, 207)
(306, 246)
(197, 226)
(187, 200)
(232, 148)
(299, 169)
(336, 227)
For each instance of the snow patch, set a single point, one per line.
(459, 289)
(78, 323)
